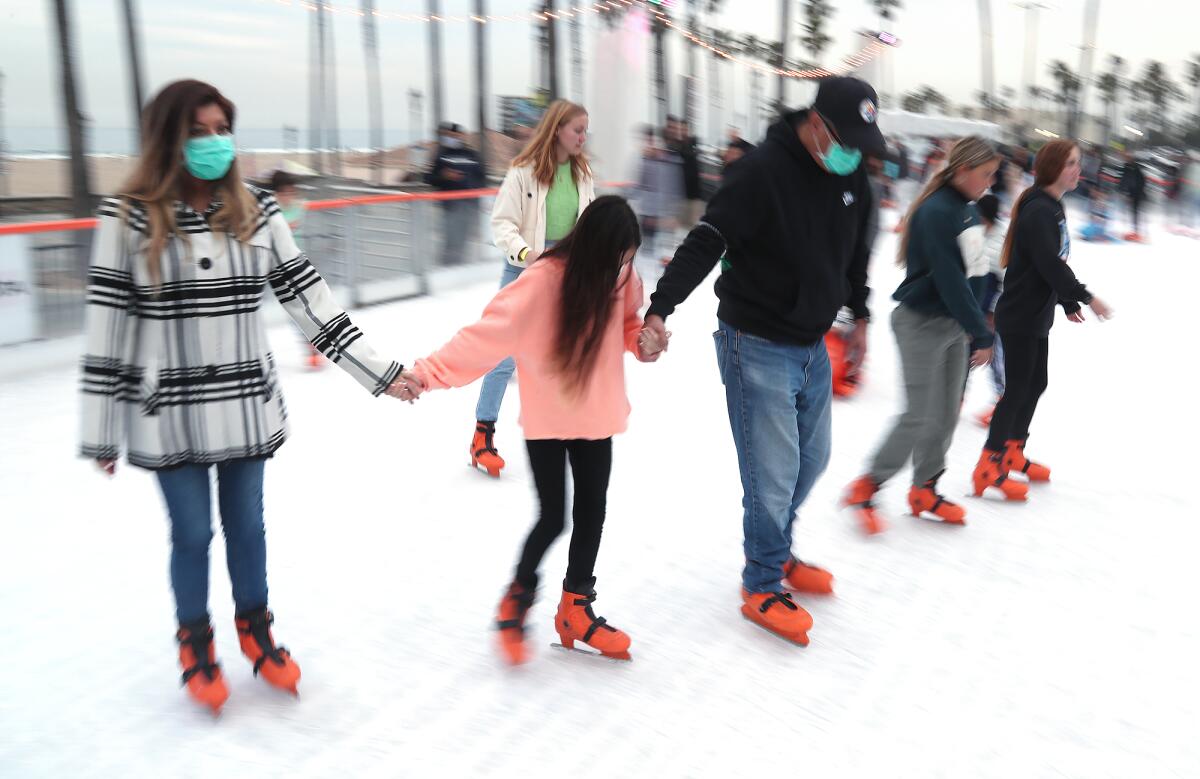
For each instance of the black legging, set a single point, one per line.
(591, 464)
(1025, 379)
(1136, 206)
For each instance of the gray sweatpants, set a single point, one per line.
(933, 358)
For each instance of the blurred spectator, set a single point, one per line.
(737, 148)
(456, 167)
(1133, 187)
(1191, 190)
(658, 192)
(681, 142)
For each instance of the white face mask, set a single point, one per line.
(451, 142)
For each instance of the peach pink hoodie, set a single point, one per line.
(521, 322)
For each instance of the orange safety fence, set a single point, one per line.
(66, 225)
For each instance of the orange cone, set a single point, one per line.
(483, 449)
(1015, 460)
(575, 621)
(802, 577)
(779, 614)
(275, 664)
(201, 672)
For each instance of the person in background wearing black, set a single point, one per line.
(792, 218)
(680, 141)
(456, 167)
(1035, 254)
(738, 147)
(1133, 187)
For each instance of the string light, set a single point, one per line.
(849, 63)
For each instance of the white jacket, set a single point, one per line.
(519, 215)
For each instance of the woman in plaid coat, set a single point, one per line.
(177, 371)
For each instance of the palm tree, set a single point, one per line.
(884, 8)
(1068, 92)
(816, 13)
(1157, 87)
(923, 98)
(374, 89)
(1111, 85)
(135, 64)
(1193, 79)
(81, 203)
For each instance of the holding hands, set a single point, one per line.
(653, 339)
(406, 387)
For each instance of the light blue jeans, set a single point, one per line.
(779, 410)
(491, 394)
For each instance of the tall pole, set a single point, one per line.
(316, 86)
(3, 144)
(80, 182)
(481, 86)
(551, 50)
(1029, 76)
(987, 64)
(374, 92)
(689, 93)
(435, 63)
(331, 107)
(1091, 18)
(135, 67)
(576, 57)
(785, 28)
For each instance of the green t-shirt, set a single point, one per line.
(562, 204)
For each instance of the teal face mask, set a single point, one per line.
(209, 156)
(837, 159)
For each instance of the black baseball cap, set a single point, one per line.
(852, 107)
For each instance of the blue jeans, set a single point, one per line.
(779, 410)
(188, 495)
(491, 394)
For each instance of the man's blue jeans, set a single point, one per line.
(779, 399)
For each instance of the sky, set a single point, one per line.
(256, 51)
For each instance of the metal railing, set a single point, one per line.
(371, 246)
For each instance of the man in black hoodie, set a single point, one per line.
(455, 168)
(791, 217)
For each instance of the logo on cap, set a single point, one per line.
(867, 110)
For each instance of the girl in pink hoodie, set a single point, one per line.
(567, 322)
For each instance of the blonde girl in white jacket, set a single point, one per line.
(546, 188)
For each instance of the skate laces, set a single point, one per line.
(597, 623)
(489, 444)
(779, 597)
(259, 627)
(199, 642)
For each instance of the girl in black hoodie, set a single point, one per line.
(1035, 255)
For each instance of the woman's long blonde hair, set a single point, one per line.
(156, 182)
(969, 152)
(541, 151)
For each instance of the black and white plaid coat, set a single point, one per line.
(183, 374)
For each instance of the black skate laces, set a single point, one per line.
(259, 627)
(489, 444)
(199, 642)
(523, 600)
(597, 622)
(779, 597)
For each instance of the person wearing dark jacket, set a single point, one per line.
(1035, 255)
(791, 217)
(681, 141)
(456, 168)
(939, 313)
(1133, 186)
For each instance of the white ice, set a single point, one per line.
(1057, 638)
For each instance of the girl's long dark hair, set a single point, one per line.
(592, 253)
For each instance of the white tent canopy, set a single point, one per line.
(909, 125)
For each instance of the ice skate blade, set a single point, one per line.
(934, 518)
(800, 639)
(618, 657)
